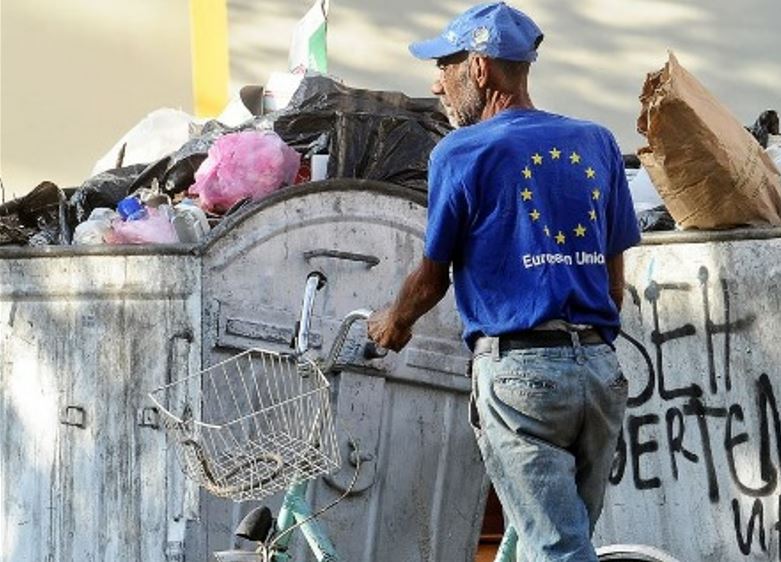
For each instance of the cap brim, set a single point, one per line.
(433, 48)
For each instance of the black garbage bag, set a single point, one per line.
(171, 174)
(36, 219)
(383, 148)
(176, 171)
(766, 124)
(631, 161)
(105, 189)
(384, 136)
(656, 219)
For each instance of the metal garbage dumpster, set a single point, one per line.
(421, 490)
(84, 334)
(697, 467)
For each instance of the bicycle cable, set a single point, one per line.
(265, 550)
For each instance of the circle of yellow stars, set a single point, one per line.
(527, 195)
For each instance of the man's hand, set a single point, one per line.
(385, 331)
(391, 328)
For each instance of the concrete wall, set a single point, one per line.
(77, 75)
(697, 469)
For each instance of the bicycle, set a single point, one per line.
(276, 433)
(261, 423)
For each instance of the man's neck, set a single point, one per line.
(496, 101)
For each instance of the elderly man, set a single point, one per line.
(532, 211)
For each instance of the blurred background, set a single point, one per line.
(76, 75)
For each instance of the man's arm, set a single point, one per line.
(421, 290)
(615, 275)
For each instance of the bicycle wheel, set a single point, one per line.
(632, 553)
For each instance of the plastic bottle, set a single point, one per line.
(131, 209)
(319, 167)
(102, 214)
(94, 229)
(190, 222)
(90, 232)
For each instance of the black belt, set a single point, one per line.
(537, 338)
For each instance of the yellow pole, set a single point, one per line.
(209, 36)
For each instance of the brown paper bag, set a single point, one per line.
(710, 171)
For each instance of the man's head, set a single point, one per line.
(487, 48)
(493, 30)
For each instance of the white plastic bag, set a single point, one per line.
(95, 228)
(774, 150)
(644, 194)
(161, 132)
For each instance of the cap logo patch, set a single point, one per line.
(480, 37)
(451, 36)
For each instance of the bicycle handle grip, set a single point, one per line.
(373, 351)
(370, 349)
(341, 336)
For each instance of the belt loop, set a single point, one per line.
(580, 353)
(495, 348)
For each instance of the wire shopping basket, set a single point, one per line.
(251, 425)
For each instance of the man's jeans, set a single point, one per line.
(548, 422)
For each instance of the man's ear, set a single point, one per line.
(480, 68)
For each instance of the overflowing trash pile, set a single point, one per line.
(709, 170)
(171, 179)
(168, 196)
(34, 219)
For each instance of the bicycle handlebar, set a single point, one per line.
(314, 282)
(341, 337)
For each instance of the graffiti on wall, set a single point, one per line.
(700, 422)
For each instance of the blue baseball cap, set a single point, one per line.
(495, 30)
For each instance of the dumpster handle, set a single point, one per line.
(356, 458)
(368, 259)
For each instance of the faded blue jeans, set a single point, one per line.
(547, 421)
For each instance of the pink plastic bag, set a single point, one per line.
(240, 165)
(154, 229)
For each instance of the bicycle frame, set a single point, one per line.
(294, 510)
(506, 551)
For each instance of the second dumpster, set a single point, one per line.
(421, 489)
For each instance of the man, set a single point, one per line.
(532, 211)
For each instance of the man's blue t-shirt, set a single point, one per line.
(528, 206)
